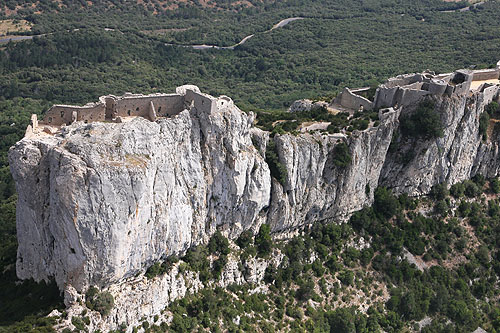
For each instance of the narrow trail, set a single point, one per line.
(280, 24)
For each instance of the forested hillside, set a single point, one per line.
(84, 49)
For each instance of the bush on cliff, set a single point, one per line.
(424, 123)
(493, 110)
(101, 302)
(218, 244)
(278, 170)
(245, 239)
(341, 157)
(263, 240)
(386, 204)
(484, 120)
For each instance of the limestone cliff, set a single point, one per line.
(103, 201)
(100, 202)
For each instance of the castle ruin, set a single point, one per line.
(408, 89)
(111, 108)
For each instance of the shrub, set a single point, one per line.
(196, 257)
(471, 189)
(159, 268)
(424, 123)
(341, 157)
(385, 203)
(495, 185)
(457, 190)
(346, 277)
(441, 208)
(245, 239)
(218, 244)
(493, 109)
(306, 290)
(484, 120)
(263, 240)
(278, 170)
(439, 191)
(101, 302)
(78, 323)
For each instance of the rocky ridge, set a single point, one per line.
(99, 203)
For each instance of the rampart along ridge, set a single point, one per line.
(407, 89)
(117, 109)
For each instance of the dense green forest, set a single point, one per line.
(82, 51)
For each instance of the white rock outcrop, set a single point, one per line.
(102, 201)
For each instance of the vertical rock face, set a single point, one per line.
(416, 165)
(316, 189)
(100, 202)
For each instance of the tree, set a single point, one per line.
(495, 185)
(386, 204)
(306, 290)
(484, 121)
(341, 157)
(218, 244)
(439, 191)
(457, 190)
(263, 240)
(101, 302)
(424, 123)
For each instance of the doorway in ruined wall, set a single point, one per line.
(110, 112)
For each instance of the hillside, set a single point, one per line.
(82, 50)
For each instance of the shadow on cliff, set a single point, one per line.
(21, 302)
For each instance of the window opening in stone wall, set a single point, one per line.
(137, 109)
(128, 112)
(62, 114)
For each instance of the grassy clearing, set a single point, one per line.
(8, 27)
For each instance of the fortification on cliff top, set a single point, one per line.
(402, 90)
(408, 89)
(111, 108)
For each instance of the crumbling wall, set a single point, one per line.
(437, 87)
(97, 113)
(384, 97)
(404, 80)
(486, 74)
(490, 93)
(165, 105)
(202, 102)
(352, 101)
(58, 115)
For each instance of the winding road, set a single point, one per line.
(280, 24)
(465, 9)
(7, 39)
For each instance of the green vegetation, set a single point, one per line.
(484, 121)
(454, 289)
(278, 170)
(493, 110)
(101, 302)
(340, 43)
(341, 157)
(263, 241)
(160, 268)
(424, 123)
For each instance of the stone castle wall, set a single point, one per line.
(59, 115)
(110, 107)
(352, 101)
(487, 74)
